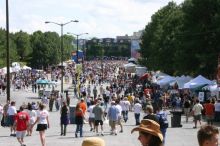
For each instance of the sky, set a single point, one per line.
(98, 18)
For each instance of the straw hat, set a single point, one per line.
(149, 126)
(93, 141)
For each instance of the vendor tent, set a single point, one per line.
(198, 81)
(42, 81)
(140, 70)
(166, 80)
(180, 81)
(26, 67)
(130, 67)
(4, 70)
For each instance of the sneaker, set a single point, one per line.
(102, 134)
(194, 127)
(121, 131)
(91, 129)
(76, 135)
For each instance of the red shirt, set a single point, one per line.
(21, 120)
(209, 109)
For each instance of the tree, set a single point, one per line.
(23, 47)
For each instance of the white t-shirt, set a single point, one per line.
(12, 110)
(42, 115)
(125, 104)
(137, 108)
(197, 109)
(32, 115)
(91, 114)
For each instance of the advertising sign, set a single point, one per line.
(134, 49)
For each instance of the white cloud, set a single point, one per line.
(100, 18)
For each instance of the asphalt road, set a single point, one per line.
(184, 136)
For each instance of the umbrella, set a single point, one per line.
(41, 81)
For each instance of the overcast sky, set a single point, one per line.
(99, 18)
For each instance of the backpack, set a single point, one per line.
(163, 121)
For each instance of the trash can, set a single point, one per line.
(176, 118)
(72, 114)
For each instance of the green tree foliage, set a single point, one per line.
(23, 46)
(12, 48)
(183, 39)
(159, 42)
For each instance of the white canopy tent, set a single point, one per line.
(130, 67)
(4, 70)
(16, 68)
(140, 70)
(26, 67)
(166, 80)
(198, 81)
(181, 81)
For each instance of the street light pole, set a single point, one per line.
(62, 58)
(61, 47)
(77, 49)
(7, 51)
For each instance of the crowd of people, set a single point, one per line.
(105, 93)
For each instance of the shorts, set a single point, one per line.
(41, 127)
(112, 123)
(92, 120)
(20, 134)
(119, 120)
(197, 117)
(10, 120)
(97, 122)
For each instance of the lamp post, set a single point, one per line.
(77, 44)
(7, 51)
(61, 46)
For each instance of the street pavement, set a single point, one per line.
(184, 136)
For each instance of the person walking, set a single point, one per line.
(119, 122)
(197, 113)
(11, 112)
(32, 114)
(99, 116)
(125, 104)
(113, 117)
(137, 111)
(209, 112)
(208, 135)
(42, 122)
(79, 116)
(150, 114)
(91, 116)
(187, 106)
(64, 119)
(149, 133)
(163, 122)
(21, 123)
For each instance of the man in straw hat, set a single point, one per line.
(93, 141)
(149, 133)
